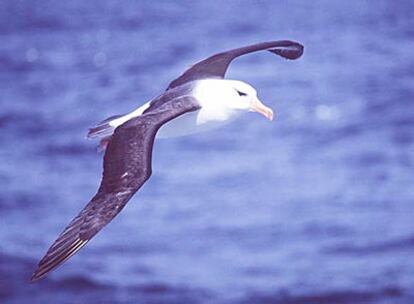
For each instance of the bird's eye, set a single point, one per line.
(241, 93)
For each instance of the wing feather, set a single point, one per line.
(127, 165)
(216, 65)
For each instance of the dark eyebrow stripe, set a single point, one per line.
(241, 93)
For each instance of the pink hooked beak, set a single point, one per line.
(259, 107)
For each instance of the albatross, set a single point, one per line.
(199, 99)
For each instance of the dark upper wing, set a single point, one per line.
(216, 65)
(127, 165)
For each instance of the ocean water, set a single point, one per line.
(315, 207)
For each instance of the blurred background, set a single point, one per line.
(315, 207)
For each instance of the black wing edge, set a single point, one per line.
(216, 65)
(291, 52)
(111, 198)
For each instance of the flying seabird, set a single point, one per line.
(197, 100)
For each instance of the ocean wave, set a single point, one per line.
(334, 297)
(406, 243)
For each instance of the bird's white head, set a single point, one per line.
(224, 99)
(245, 98)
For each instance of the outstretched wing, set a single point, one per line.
(216, 65)
(127, 165)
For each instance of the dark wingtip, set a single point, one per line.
(54, 259)
(35, 277)
(292, 51)
(38, 274)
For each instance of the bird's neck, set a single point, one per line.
(215, 96)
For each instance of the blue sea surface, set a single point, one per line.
(315, 207)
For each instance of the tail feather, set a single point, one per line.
(103, 129)
(106, 128)
(103, 132)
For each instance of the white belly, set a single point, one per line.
(217, 100)
(190, 123)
